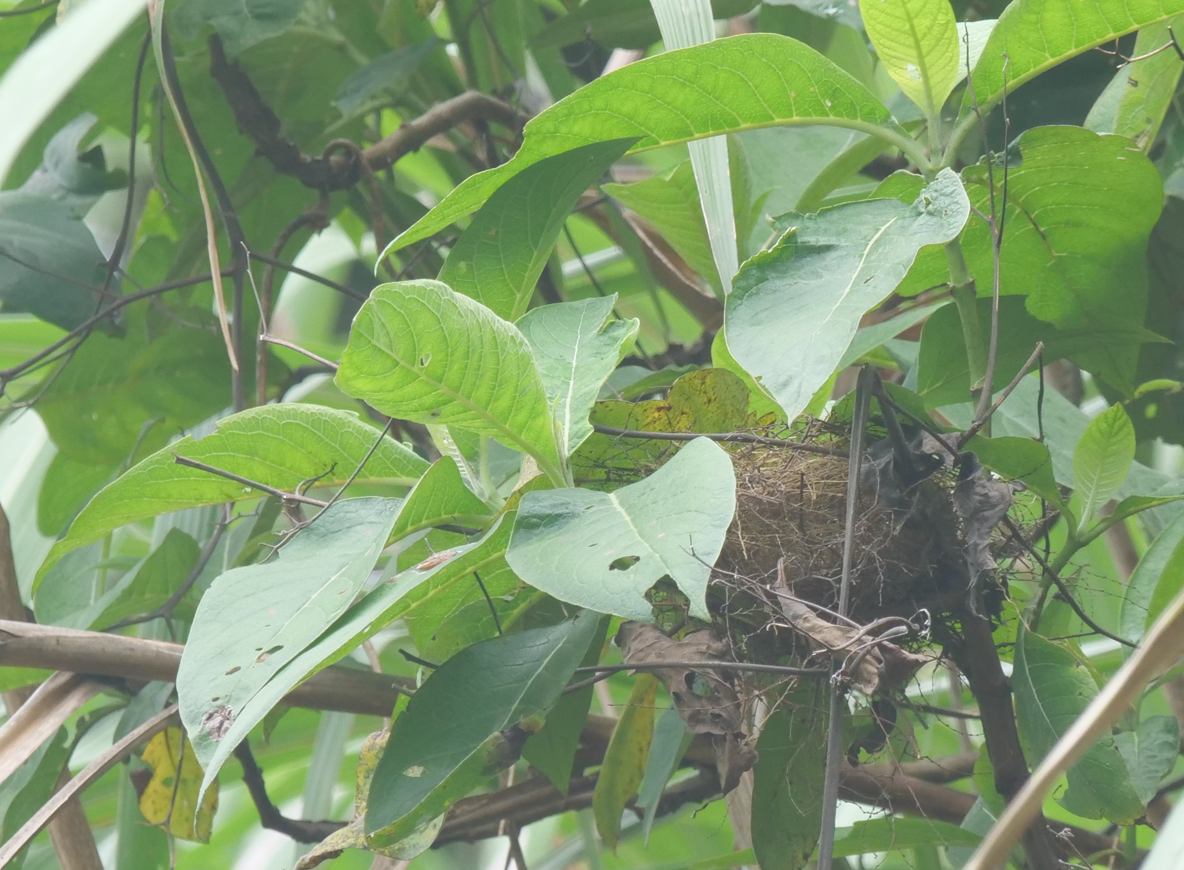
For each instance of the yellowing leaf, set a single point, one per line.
(625, 758)
(170, 798)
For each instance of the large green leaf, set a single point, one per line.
(1150, 753)
(420, 351)
(576, 347)
(500, 255)
(787, 783)
(625, 759)
(377, 609)
(1074, 249)
(254, 620)
(451, 736)
(1155, 581)
(741, 83)
(1137, 98)
(1102, 460)
(1052, 690)
(605, 550)
(1032, 36)
(917, 41)
(795, 309)
(277, 445)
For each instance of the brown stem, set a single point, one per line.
(270, 817)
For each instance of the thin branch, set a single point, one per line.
(312, 276)
(286, 497)
(1015, 382)
(270, 817)
(266, 339)
(358, 470)
(704, 665)
(733, 437)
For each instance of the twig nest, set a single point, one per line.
(792, 505)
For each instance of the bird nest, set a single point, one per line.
(791, 511)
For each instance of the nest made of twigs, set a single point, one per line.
(791, 508)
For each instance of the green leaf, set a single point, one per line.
(917, 41)
(1154, 582)
(625, 759)
(452, 735)
(68, 485)
(1018, 459)
(1052, 690)
(890, 834)
(1150, 753)
(671, 739)
(51, 238)
(384, 73)
(420, 351)
(787, 782)
(552, 748)
(254, 620)
(671, 204)
(376, 610)
(618, 23)
(278, 445)
(795, 309)
(439, 498)
(871, 337)
(1137, 98)
(500, 255)
(603, 550)
(576, 347)
(740, 83)
(1102, 460)
(240, 23)
(24, 791)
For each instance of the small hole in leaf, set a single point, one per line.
(624, 563)
(424, 360)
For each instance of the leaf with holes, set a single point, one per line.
(254, 620)
(603, 550)
(281, 446)
(420, 351)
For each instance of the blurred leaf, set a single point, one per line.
(385, 72)
(420, 351)
(254, 620)
(353, 835)
(68, 485)
(500, 255)
(1150, 753)
(917, 41)
(625, 759)
(771, 80)
(795, 309)
(1102, 461)
(671, 739)
(618, 23)
(670, 203)
(1034, 35)
(552, 748)
(1155, 581)
(71, 175)
(49, 261)
(173, 798)
(278, 445)
(240, 23)
(24, 791)
(605, 550)
(787, 781)
(1052, 690)
(456, 732)
(576, 347)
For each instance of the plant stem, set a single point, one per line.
(963, 292)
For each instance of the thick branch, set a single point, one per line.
(338, 170)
